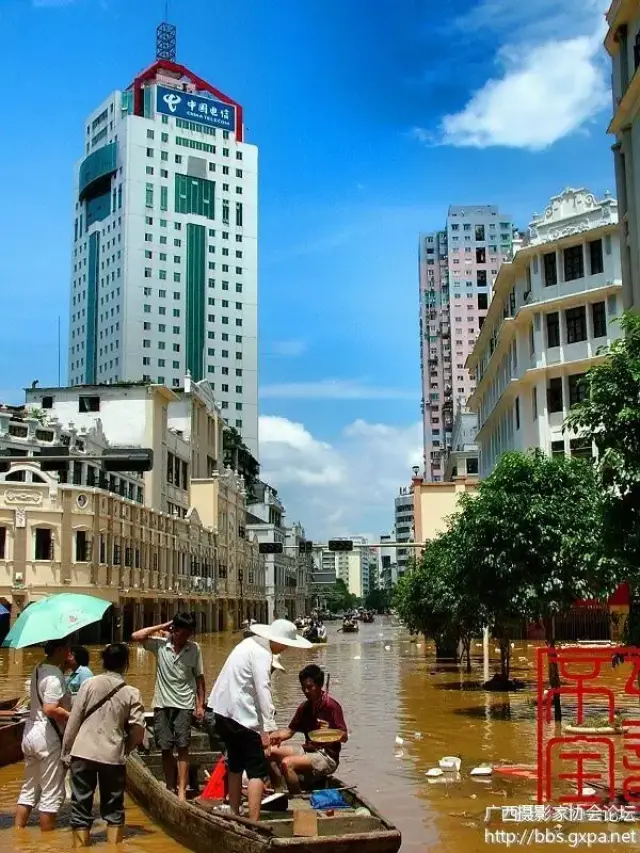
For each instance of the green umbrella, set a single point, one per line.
(54, 618)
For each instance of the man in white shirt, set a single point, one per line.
(241, 707)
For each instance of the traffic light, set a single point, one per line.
(340, 545)
(305, 547)
(127, 459)
(270, 548)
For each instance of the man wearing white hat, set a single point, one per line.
(242, 706)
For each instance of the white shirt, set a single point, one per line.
(242, 691)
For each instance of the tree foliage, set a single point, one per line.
(338, 598)
(610, 417)
(527, 545)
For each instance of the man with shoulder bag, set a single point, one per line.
(106, 723)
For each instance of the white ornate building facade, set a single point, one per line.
(553, 308)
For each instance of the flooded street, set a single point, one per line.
(386, 693)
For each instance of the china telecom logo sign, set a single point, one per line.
(196, 108)
(171, 100)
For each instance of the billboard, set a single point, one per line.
(195, 108)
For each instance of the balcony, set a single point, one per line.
(96, 168)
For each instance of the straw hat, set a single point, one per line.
(282, 631)
(276, 663)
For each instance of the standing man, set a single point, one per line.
(179, 693)
(241, 708)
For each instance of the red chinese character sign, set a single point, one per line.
(579, 763)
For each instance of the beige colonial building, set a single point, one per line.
(553, 309)
(434, 503)
(173, 537)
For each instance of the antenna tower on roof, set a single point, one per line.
(166, 38)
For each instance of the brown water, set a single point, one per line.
(385, 693)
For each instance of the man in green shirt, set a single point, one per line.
(179, 693)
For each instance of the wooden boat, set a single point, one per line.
(11, 731)
(202, 827)
(350, 627)
(318, 641)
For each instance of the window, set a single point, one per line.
(150, 152)
(599, 317)
(43, 544)
(164, 155)
(550, 269)
(576, 321)
(534, 403)
(482, 301)
(517, 411)
(553, 329)
(573, 263)
(480, 233)
(88, 404)
(554, 395)
(595, 257)
(481, 256)
(150, 134)
(82, 550)
(147, 272)
(557, 448)
(3, 542)
(577, 388)
(581, 448)
(164, 198)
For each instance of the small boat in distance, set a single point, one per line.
(350, 626)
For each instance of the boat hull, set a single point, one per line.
(203, 830)
(11, 731)
(350, 629)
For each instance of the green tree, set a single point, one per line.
(378, 599)
(610, 417)
(339, 598)
(431, 598)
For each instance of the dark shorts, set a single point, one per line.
(243, 747)
(172, 728)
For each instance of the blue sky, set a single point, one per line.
(371, 116)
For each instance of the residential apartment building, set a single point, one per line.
(165, 243)
(623, 44)
(456, 270)
(553, 308)
(354, 567)
(403, 527)
(388, 562)
(462, 456)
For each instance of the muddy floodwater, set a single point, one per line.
(390, 689)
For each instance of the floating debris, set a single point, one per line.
(399, 740)
(434, 772)
(387, 648)
(418, 736)
(482, 770)
(450, 762)
(358, 657)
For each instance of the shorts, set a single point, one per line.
(244, 750)
(322, 764)
(45, 773)
(172, 728)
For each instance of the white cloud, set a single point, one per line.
(334, 389)
(342, 488)
(287, 349)
(552, 76)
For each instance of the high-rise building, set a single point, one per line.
(403, 527)
(165, 242)
(456, 269)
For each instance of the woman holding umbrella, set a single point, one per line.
(42, 741)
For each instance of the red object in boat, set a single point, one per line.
(216, 788)
(522, 771)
